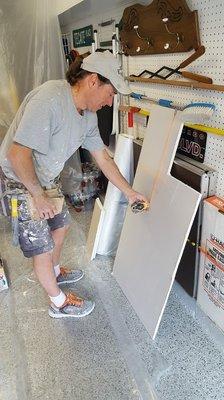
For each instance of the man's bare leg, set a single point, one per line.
(44, 263)
(63, 274)
(43, 267)
(58, 236)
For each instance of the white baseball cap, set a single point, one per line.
(107, 65)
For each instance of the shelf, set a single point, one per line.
(190, 84)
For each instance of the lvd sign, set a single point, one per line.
(190, 147)
(193, 143)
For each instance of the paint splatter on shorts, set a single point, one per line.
(35, 235)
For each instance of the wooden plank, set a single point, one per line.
(152, 243)
(172, 82)
(95, 229)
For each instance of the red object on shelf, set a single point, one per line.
(130, 119)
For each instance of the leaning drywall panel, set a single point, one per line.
(152, 243)
(95, 229)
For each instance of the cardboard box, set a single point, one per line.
(211, 275)
(3, 280)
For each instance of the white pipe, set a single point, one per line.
(93, 47)
(95, 34)
(114, 45)
(117, 37)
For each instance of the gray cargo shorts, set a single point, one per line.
(35, 236)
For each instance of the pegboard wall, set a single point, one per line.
(211, 17)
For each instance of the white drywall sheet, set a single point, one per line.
(152, 243)
(95, 229)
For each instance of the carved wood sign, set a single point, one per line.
(164, 26)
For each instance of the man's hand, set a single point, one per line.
(134, 196)
(111, 171)
(44, 205)
(21, 160)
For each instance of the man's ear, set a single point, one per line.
(92, 80)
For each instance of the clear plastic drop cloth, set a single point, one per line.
(115, 204)
(72, 175)
(81, 182)
(30, 52)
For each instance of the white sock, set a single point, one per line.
(57, 270)
(59, 300)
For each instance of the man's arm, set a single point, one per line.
(21, 160)
(111, 171)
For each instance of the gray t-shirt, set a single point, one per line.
(49, 123)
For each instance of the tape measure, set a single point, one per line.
(139, 206)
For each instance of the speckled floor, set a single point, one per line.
(107, 355)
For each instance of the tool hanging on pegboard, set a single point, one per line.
(164, 26)
(171, 71)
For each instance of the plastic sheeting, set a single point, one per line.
(30, 52)
(71, 175)
(115, 203)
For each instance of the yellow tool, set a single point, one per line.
(205, 128)
(15, 220)
(14, 204)
(146, 113)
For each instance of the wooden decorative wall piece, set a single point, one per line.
(164, 26)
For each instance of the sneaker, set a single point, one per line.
(73, 307)
(69, 276)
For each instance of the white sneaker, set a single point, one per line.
(69, 275)
(72, 307)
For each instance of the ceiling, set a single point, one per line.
(86, 8)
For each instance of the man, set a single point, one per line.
(53, 121)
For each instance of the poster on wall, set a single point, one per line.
(82, 37)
